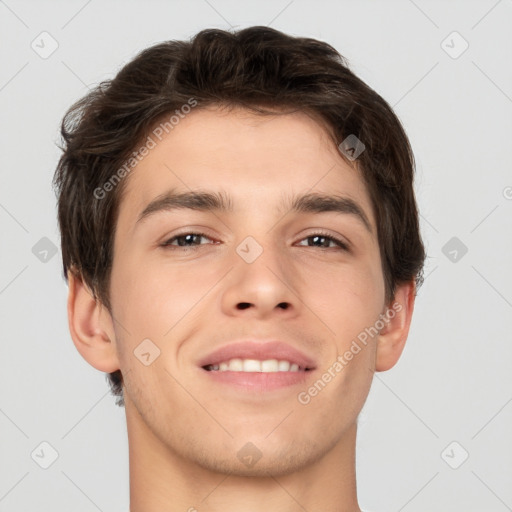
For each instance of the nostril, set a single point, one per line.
(245, 305)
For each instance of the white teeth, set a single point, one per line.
(284, 366)
(270, 365)
(236, 365)
(254, 365)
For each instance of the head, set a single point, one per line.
(255, 118)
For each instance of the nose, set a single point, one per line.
(262, 288)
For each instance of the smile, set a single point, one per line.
(255, 365)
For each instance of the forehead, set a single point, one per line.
(252, 157)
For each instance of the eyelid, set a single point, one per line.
(344, 244)
(168, 240)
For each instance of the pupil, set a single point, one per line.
(318, 239)
(185, 240)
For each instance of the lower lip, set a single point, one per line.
(259, 381)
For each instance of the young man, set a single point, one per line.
(240, 235)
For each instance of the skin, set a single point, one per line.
(184, 431)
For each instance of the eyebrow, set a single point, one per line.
(221, 202)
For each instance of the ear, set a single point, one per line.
(397, 317)
(91, 327)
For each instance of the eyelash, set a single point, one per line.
(341, 245)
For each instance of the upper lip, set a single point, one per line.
(258, 350)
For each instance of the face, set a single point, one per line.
(251, 262)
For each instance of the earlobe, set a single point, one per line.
(91, 327)
(392, 337)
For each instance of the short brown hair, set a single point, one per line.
(257, 68)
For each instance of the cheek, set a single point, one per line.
(348, 298)
(151, 297)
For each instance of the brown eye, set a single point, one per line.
(324, 241)
(186, 240)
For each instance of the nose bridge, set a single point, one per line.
(260, 279)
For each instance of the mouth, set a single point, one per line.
(253, 366)
(253, 356)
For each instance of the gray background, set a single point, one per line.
(453, 383)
